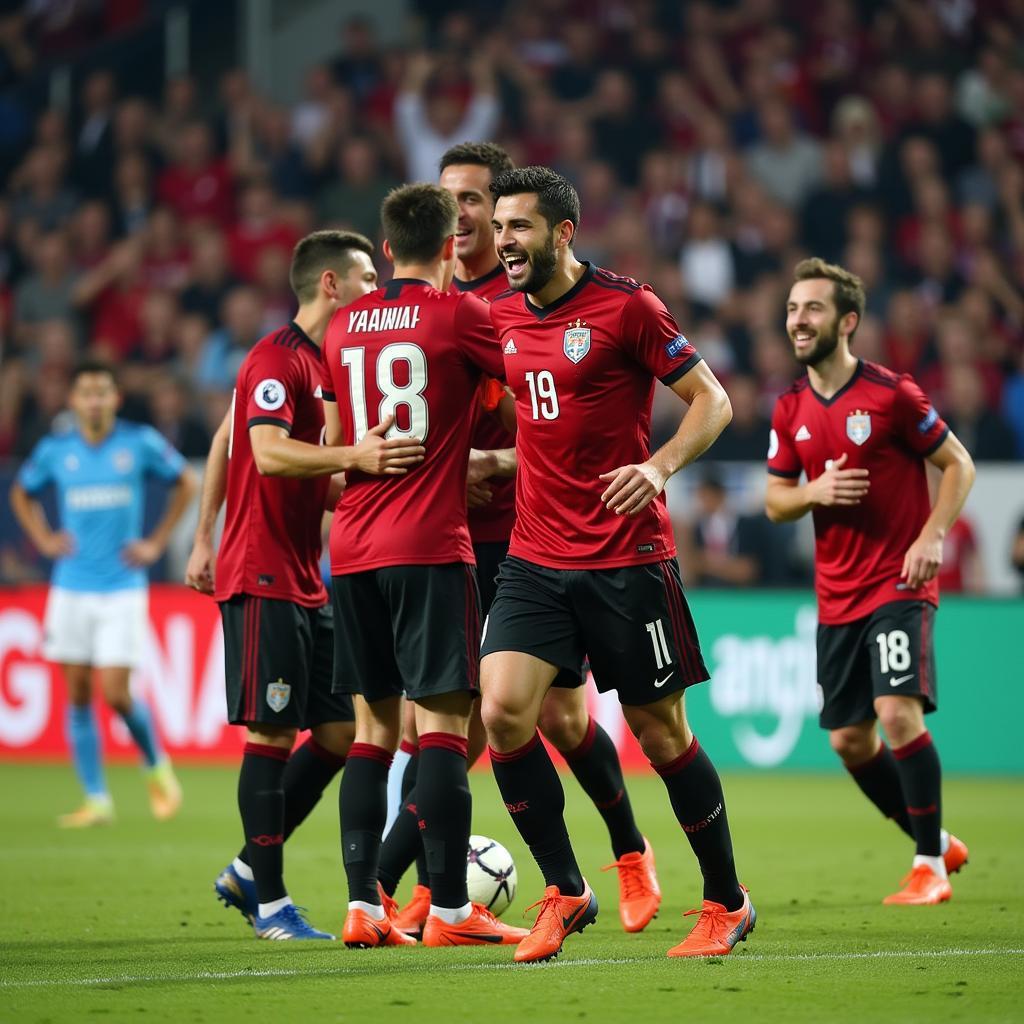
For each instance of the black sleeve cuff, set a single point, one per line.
(787, 473)
(936, 444)
(328, 396)
(681, 371)
(272, 420)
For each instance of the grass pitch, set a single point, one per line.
(120, 924)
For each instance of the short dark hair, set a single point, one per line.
(480, 154)
(847, 288)
(557, 200)
(320, 251)
(87, 366)
(417, 219)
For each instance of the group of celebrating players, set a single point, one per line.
(480, 428)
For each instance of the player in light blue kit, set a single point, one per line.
(97, 609)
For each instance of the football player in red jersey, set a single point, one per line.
(404, 584)
(591, 566)
(467, 171)
(862, 436)
(267, 460)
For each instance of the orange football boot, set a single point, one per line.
(955, 856)
(559, 916)
(922, 887)
(639, 893)
(717, 930)
(164, 791)
(97, 810)
(413, 916)
(481, 928)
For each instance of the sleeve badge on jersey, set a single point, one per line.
(675, 346)
(278, 695)
(858, 426)
(576, 340)
(931, 418)
(773, 444)
(269, 394)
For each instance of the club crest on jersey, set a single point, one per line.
(278, 695)
(576, 340)
(269, 394)
(858, 426)
(123, 461)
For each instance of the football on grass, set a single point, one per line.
(490, 874)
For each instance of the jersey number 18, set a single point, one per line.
(395, 395)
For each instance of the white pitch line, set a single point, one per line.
(395, 968)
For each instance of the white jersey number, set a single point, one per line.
(409, 394)
(543, 396)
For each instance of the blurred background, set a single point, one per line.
(159, 160)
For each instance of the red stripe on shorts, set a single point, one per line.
(677, 621)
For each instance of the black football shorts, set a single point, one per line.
(887, 653)
(278, 659)
(412, 629)
(632, 622)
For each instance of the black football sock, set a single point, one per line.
(695, 792)
(404, 844)
(921, 776)
(445, 808)
(308, 773)
(595, 763)
(409, 777)
(533, 794)
(261, 804)
(363, 806)
(879, 781)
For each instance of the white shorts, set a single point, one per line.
(105, 630)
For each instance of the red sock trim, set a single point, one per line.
(859, 769)
(406, 747)
(911, 748)
(370, 752)
(920, 812)
(265, 750)
(328, 757)
(680, 762)
(515, 755)
(586, 743)
(445, 741)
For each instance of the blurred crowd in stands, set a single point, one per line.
(713, 145)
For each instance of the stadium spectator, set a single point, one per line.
(429, 121)
(46, 293)
(787, 162)
(983, 431)
(197, 185)
(351, 198)
(224, 350)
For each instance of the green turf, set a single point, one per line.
(120, 924)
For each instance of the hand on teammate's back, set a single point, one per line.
(838, 486)
(380, 456)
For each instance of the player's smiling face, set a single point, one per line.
(525, 242)
(812, 321)
(468, 184)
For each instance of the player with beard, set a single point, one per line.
(466, 172)
(862, 435)
(591, 566)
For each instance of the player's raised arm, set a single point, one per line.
(924, 557)
(199, 569)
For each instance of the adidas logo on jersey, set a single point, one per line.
(510, 348)
(803, 434)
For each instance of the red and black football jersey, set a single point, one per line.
(583, 369)
(491, 522)
(409, 349)
(271, 543)
(884, 423)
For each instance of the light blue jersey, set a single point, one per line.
(100, 492)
